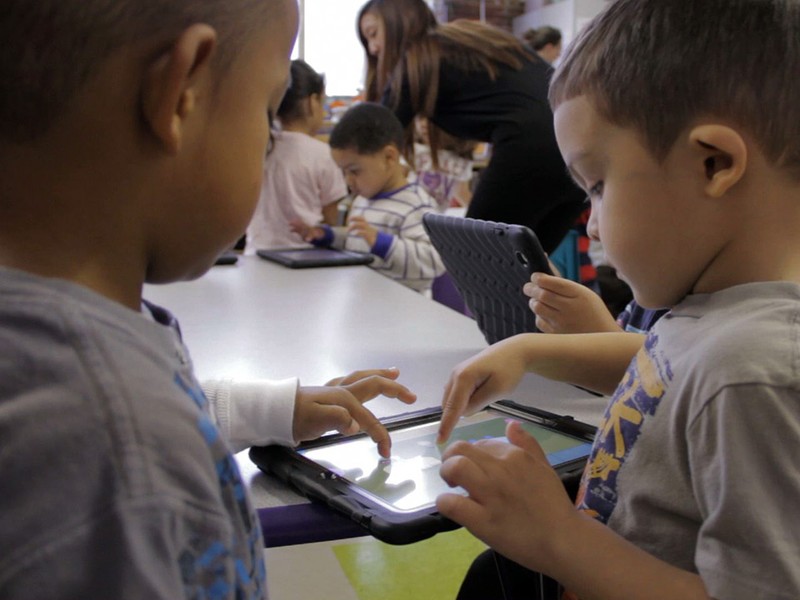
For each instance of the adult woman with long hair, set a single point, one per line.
(477, 82)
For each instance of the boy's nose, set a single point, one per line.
(592, 228)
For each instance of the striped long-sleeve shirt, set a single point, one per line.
(402, 250)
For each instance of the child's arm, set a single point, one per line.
(309, 233)
(330, 213)
(322, 235)
(518, 505)
(408, 255)
(596, 361)
(256, 413)
(565, 306)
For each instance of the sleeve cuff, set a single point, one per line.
(326, 240)
(255, 413)
(382, 245)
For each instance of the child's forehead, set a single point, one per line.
(352, 156)
(579, 117)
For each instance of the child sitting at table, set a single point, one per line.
(447, 179)
(386, 216)
(132, 139)
(301, 181)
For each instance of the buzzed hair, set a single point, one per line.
(660, 65)
(51, 48)
(367, 128)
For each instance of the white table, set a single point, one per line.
(259, 320)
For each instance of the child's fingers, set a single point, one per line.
(461, 509)
(369, 387)
(390, 373)
(458, 395)
(368, 422)
(468, 466)
(521, 439)
(556, 285)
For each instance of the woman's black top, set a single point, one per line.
(526, 181)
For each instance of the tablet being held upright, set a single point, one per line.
(490, 263)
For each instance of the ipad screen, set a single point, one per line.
(410, 479)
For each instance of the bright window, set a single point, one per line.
(329, 42)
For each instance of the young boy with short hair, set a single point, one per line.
(131, 144)
(386, 216)
(680, 119)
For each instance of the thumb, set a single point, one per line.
(521, 439)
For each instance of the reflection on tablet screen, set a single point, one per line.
(410, 479)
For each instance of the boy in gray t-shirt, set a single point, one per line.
(680, 120)
(131, 143)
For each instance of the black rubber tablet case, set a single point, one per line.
(308, 480)
(490, 262)
(390, 527)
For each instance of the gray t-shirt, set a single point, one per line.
(115, 481)
(695, 461)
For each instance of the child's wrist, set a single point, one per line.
(382, 245)
(322, 236)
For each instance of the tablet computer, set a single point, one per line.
(394, 499)
(304, 258)
(489, 263)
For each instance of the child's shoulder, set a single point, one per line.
(412, 194)
(300, 143)
(745, 334)
(73, 333)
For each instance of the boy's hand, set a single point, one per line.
(565, 306)
(516, 503)
(309, 233)
(338, 405)
(359, 226)
(480, 379)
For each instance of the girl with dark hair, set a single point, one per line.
(477, 82)
(301, 181)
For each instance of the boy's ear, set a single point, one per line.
(170, 86)
(391, 153)
(724, 155)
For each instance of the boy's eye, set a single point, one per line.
(596, 191)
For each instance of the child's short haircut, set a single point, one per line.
(368, 128)
(658, 65)
(52, 47)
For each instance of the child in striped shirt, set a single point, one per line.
(386, 216)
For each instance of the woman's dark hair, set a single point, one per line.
(414, 47)
(306, 82)
(405, 22)
(542, 36)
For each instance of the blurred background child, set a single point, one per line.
(301, 181)
(386, 216)
(448, 182)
